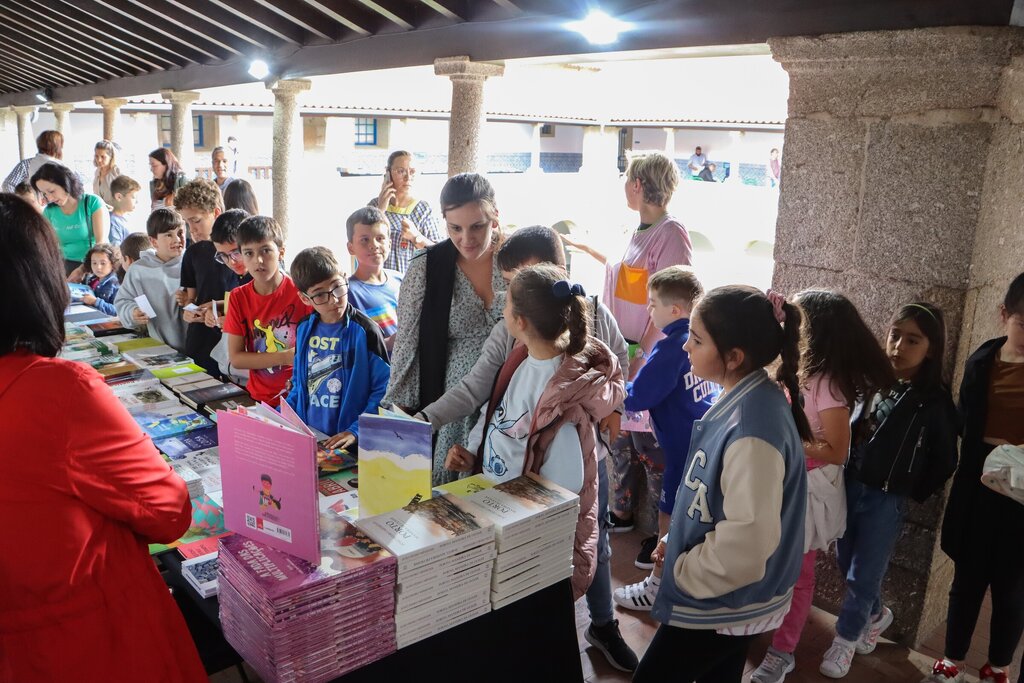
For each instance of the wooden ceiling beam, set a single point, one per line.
(302, 15)
(264, 19)
(45, 57)
(91, 57)
(141, 35)
(208, 49)
(209, 33)
(210, 13)
(401, 14)
(352, 15)
(113, 40)
(456, 10)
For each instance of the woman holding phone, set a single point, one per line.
(412, 222)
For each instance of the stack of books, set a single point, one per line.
(535, 525)
(153, 357)
(176, 447)
(201, 572)
(296, 621)
(145, 394)
(159, 424)
(445, 551)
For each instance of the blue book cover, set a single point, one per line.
(177, 447)
(159, 426)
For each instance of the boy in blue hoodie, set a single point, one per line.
(674, 397)
(341, 368)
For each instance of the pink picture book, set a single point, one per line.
(269, 477)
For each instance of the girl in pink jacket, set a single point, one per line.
(556, 385)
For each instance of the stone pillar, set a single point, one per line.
(61, 112)
(467, 109)
(600, 150)
(182, 138)
(287, 128)
(670, 143)
(26, 144)
(111, 108)
(889, 138)
(535, 166)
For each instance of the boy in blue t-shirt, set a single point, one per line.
(123, 190)
(341, 368)
(373, 289)
(674, 397)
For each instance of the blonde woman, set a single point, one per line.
(104, 158)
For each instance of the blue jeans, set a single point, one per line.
(599, 595)
(873, 521)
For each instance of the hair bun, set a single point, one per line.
(563, 289)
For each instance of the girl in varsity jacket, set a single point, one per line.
(736, 539)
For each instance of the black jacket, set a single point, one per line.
(977, 516)
(913, 452)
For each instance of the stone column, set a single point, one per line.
(287, 128)
(26, 145)
(467, 109)
(670, 143)
(61, 112)
(183, 142)
(887, 147)
(111, 108)
(535, 166)
(600, 150)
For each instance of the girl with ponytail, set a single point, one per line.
(736, 539)
(553, 389)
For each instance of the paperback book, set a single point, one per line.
(268, 471)
(394, 462)
(154, 357)
(179, 446)
(201, 573)
(159, 425)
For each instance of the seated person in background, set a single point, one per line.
(200, 203)
(707, 174)
(101, 264)
(123, 190)
(156, 275)
(341, 368)
(131, 250)
(373, 289)
(262, 316)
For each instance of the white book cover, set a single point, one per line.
(528, 498)
(153, 357)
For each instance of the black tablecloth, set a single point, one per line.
(531, 639)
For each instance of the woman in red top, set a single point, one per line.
(84, 490)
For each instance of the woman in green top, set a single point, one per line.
(81, 220)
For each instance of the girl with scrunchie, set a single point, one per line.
(556, 385)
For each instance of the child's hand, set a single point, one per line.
(342, 440)
(77, 275)
(658, 554)
(88, 299)
(182, 298)
(209, 318)
(459, 459)
(139, 317)
(612, 424)
(287, 356)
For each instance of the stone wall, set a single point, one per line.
(901, 182)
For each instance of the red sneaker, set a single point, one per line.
(987, 675)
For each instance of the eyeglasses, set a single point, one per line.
(408, 173)
(228, 258)
(336, 293)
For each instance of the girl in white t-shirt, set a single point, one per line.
(841, 364)
(553, 389)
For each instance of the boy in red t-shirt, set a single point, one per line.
(263, 314)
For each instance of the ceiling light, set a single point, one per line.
(41, 96)
(258, 69)
(599, 28)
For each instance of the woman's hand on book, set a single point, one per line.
(459, 459)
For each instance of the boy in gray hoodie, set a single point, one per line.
(157, 275)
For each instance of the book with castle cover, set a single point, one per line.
(395, 462)
(149, 395)
(428, 529)
(268, 474)
(526, 502)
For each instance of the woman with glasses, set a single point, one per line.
(412, 222)
(80, 597)
(104, 159)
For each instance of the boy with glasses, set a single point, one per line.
(341, 368)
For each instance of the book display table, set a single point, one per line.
(530, 639)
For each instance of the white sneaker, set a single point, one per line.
(636, 596)
(837, 660)
(774, 667)
(945, 672)
(868, 640)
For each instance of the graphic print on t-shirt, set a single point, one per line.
(504, 426)
(324, 360)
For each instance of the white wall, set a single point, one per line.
(719, 145)
(567, 138)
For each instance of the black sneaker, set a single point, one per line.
(609, 641)
(617, 525)
(643, 558)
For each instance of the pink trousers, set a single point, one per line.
(788, 635)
